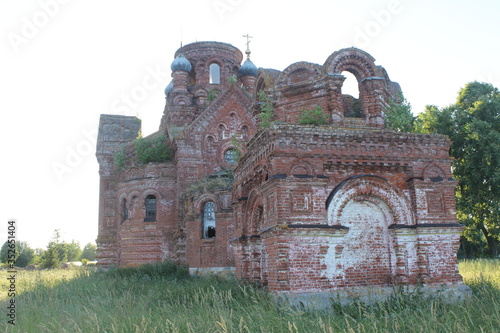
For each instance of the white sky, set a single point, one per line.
(65, 62)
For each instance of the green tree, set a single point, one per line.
(473, 125)
(89, 252)
(73, 250)
(38, 255)
(24, 254)
(59, 251)
(398, 116)
(51, 258)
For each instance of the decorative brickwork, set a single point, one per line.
(307, 209)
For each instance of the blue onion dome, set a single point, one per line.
(181, 64)
(248, 69)
(169, 88)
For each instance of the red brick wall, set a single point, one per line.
(312, 208)
(353, 208)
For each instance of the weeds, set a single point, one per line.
(164, 298)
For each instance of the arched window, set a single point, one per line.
(244, 133)
(124, 210)
(214, 74)
(209, 220)
(150, 209)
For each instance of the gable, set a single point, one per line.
(227, 116)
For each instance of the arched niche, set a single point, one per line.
(300, 72)
(369, 186)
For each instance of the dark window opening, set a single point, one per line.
(150, 209)
(209, 220)
(124, 210)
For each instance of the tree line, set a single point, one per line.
(57, 252)
(473, 125)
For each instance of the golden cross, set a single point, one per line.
(247, 52)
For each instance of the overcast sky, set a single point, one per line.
(65, 62)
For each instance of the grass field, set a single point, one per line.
(162, 298)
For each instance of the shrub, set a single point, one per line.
(153, 149)
(212, 94)
(233, 79)
(266, 109)
(120, 159)
(313, 117)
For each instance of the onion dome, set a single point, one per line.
(248, 69)
(169, 88)
(181, 64)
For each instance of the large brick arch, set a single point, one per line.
(353, 60)
(374, 189)
(254, 212)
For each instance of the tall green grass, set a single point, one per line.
(163, 298)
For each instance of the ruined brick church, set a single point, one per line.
(345, 206)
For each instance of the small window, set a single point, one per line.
(244, 133)
(231, 156)
(150, 209)
(209, 220)
(214, 74)
(124, 210)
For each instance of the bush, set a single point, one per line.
(212, 95)
(266, 109)
(121, 159)
(153, 149)
(313, 117)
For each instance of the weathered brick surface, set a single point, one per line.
(354, 207)
(312, 208)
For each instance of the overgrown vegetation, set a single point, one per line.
(152, 149)
(121, 159)
(222, 181)
(313, 117)
(212, 95)
(158, 270)
(238, 147)
(233, 79)
(163, 298)
(399, 117)
(147, 150)
(266, 114)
